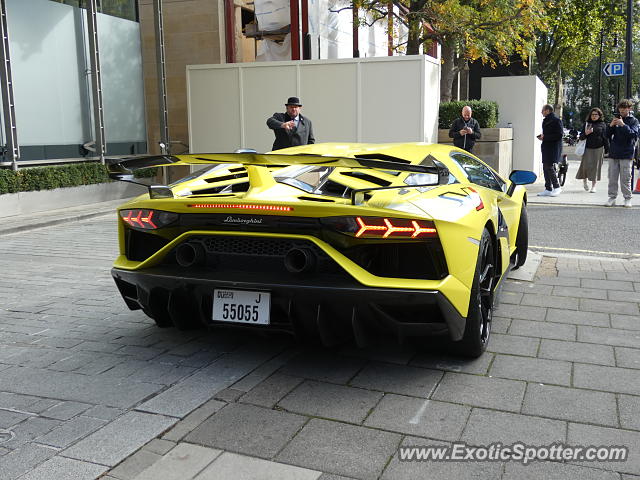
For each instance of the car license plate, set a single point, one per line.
(241, 306)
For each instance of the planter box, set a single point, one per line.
(494, 148)
(24, 203)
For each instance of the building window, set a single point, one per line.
(127, 9)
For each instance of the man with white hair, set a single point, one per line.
(465, 130)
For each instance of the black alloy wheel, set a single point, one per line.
(478, 326)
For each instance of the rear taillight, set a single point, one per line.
(146, 219)
(381, 227)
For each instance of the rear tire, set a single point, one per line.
(478, 326)
(522, 239)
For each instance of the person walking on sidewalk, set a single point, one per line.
(551, 138)
(595, 133)
(465, 130)
(622, 133)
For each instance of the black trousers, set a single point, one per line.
(550, 177)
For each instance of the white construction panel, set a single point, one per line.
(392, 107)
(431, 98)
(392, 99)
(213, 99)
(330, 92)
(265, 91)
(520, 100)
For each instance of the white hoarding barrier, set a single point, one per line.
(386, 99)
(520, 100)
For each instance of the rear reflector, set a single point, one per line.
(243, 206)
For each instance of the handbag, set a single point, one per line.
(580, 147)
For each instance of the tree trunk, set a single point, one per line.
(413, 39)
(447, 72)
(559, 87)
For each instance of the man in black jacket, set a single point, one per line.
(465, 130)
(551, 138)
(291, 128)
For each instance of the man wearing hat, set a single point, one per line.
(291, 128)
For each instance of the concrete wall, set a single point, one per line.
(520, 100)
(389, 99)
(24, 203)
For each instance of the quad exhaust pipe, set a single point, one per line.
(299, 260)
(190, 254)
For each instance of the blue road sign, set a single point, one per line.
(614, 69)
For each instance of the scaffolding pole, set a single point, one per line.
(158, 21)
(96, 79)
(12, 149)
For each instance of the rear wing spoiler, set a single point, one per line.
(122, 169)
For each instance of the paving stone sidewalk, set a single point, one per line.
(89, 389)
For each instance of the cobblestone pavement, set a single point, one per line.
(88, 388)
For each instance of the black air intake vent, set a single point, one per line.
(367, 178)
(315, 199)
(236, 187)
(224, 178)
(141, 245)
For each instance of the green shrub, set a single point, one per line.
(484, 111)
(58, 176)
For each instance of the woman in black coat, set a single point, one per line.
(594, 132)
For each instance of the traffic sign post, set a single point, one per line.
(614, 69)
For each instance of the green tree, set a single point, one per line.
(468, 30)
(571, 39)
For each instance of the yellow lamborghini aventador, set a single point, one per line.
(326, 240)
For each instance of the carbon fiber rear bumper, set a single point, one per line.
(327, 307)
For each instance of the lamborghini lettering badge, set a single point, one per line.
(247, 221)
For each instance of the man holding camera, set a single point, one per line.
(622, 133)
(465, 130)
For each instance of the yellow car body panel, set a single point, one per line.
(453, 289)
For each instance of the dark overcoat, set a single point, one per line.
(301, 135)
(552, 140)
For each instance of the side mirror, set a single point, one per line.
(160, 191)
(520, 177)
